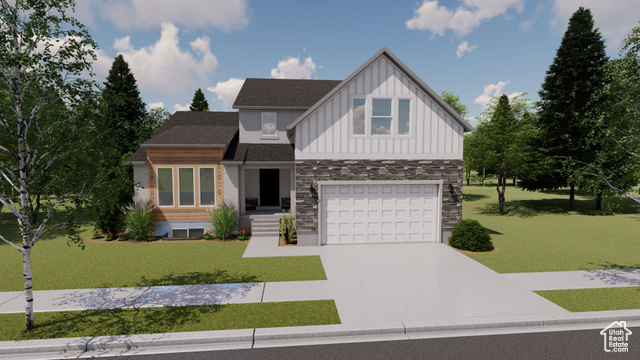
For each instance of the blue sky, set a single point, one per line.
(475, 48)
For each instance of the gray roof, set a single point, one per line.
(282, 93)
(244, 152)
(139, 157)
(196, 129)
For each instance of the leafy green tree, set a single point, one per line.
(124, 116)
(576, 73)
(474, 154)
(199, 102)
(44, 52)
(155, 120)
(617, 164)
(454, 101)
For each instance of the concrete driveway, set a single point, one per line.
(419, 281)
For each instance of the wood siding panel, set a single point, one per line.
(184, 157)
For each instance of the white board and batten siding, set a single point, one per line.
(326, 132)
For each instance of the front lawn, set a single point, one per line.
(622, 298)
(169, 319)
(58, 266)
(537, 233)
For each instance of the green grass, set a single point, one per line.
(58, 266)
(169, 319)
(537, 233)
(603, 299)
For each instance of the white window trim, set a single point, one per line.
(173, 190)
(395, 116)
(194, 186)
(215, 195)
(262, 134)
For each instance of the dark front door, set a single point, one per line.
(269, 187)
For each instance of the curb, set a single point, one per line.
(308, 335)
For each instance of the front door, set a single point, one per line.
(269, 187)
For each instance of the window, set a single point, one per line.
(358, 116)
(165, 186)
(207, 187)
(269, 124)
(186, 187)
(380, 116)
(404, 116)
(187, 233)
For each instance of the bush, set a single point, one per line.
(139, 218)
(286, 227)
(470, 235)
(224, 220)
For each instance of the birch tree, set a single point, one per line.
(44, 54)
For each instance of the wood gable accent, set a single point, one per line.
(184, 157)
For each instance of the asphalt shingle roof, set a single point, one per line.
(283, 92)
(242, 152)
(202, 128)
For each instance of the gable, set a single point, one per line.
(326, 131)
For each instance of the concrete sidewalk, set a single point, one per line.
(588, 279)
(161, 296)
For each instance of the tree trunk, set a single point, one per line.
(483, 176)
(572, 197)
(599, 200)
(34, 213)
(28, 288)
(468, 176)
(501, 187)
(515, 181)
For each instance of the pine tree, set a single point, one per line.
(123, 115)
(576, 73)
(199, 102)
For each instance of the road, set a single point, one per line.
(578, 344)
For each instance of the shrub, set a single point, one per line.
(242, 234)
(224, 220)
(123, 237)
(95, 234)
(139, 218)
(470, 235)
(287, 230)
(151, 236)
(108, 236)
(208, 235)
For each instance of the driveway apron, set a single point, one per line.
(419, 281)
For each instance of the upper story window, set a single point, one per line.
(269, 124)
(381, 116)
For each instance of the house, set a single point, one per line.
(376, 157)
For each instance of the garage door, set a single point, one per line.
(379, 213)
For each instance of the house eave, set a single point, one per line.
(299, 108)
(184, 145)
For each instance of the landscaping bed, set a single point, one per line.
(89, 323)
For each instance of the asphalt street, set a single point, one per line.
(579, 344)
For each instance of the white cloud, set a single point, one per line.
(180, 107)
(292, 68)
(463, 48)
(525, 26)
(613, 18)
(159, 105)
(165, 68)
(227, 91)
(493, 90)
(430, 16)
(225, 15)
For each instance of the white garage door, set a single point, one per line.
(379, 213)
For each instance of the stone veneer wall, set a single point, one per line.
(309, 172)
